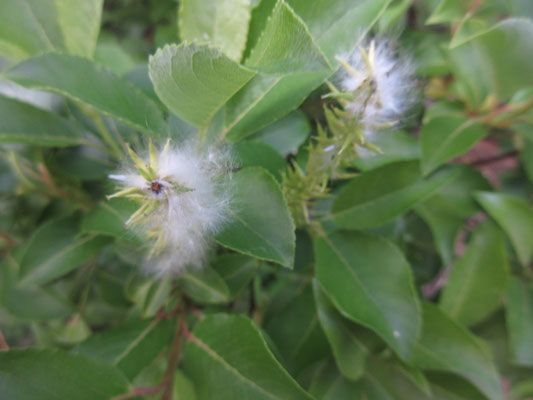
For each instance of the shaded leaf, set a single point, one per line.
(519, 318)
(204, 285)
(260, 224)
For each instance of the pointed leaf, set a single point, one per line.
(56, 375)
(515, 216)
(227, 358)
(204, 285)
(448, 347)
(519, 317)
(370, 282)
(478, 280)
(260, 224)
(86, 82)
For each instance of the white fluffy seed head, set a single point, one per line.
(191, 205)
(382, 82)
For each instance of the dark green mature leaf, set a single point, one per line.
(495, 61)
(224, 24)
(204, 285)
(335, 25)
(237, 270)
(56, 375)
(380, 195)
(444, 138)
(350, 354)
(23, 123)
(519, 316)
(257, 154)
(296, 332)
(29, 303)
(130, 346)
(285, 45)
(515, 216)
(329, 384)
(448, 347)
(370, 282)
(195, 81)
(285, 135)
(88, 83)
(445, 212)
(55, 249)
(260, 225)
(29, 27)
(227, 358)
(477, 282)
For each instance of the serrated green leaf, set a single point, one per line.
(478, 280)
(519, 318)
(350, 354)
(23, 123)
(370, 282)
(204, 285)
(130, 346)
(285, 45)
(56, 375)
(444, 138)
(194, 81)
(223, 24)
(449, 347)
(227, 358)
(377, 196)
(337, 27)
(86, 82)
(515, 216)
(260, 224)
(55, 249)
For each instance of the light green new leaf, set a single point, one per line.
(478, 280)
(260, 224)
(86, 82)
(495, 62)
(350, 354)
(336, 26)
(448, 11)
(80, 24)
(380, 195)
(23, 123)
(223, 24)
(31, 27)
(370, 282)
(204, 285)
(130, 346)
(57, 375)
(519, 318)
(195, 81)
(56, 249)
(227, 358)
(515, 216)
(447, 346)
(285, 45)
(444, 138)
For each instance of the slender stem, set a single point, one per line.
(175, 355)
(3, 343)
(499, 157)
(147, 391)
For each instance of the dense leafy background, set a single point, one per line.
(420, 286)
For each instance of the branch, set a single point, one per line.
(175, 355)
(140, 392)
(499, 157)
(3, 343)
